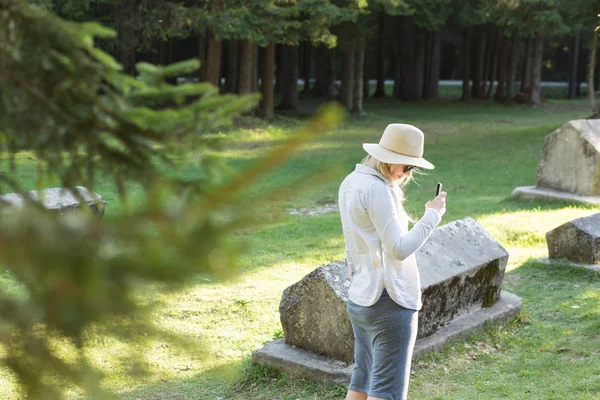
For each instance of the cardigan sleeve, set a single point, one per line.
(349, 263)
(383, 211)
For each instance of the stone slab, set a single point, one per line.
(303, 363)
(577, 240)
(313, 312)
(532, 192)
(566, 263)
(506, 309)
(59, 199)
(570, 159)
(461, 268)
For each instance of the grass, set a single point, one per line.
(482, 151)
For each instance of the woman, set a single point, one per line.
(385, 293)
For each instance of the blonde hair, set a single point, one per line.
(385, 169)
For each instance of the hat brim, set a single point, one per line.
(384, 155)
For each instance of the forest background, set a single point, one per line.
(335, 47)
(82, 301)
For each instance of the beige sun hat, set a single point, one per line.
(400, 144)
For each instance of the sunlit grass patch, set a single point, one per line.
(481, 152)
(528, 228)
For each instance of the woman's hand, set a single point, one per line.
(438, 203)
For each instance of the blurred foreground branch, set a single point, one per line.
(69, 103)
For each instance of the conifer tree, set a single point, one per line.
(70, 105)
(537, 18)
(586, 18)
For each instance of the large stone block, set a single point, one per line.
(461, 267)
(570, 159)
(306, 364)
(313, 312)
(59, 199)
(577, 240)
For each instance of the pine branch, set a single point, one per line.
(37, 95)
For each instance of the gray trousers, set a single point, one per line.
(384, 338)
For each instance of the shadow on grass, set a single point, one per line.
(513, 204)
(318, 239)
(564, 298)
(550, 333)
(518, 204)
(239, 381)
(533, 275)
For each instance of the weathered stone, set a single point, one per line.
(59, 199)
(577, 240)
(532, 192)
(561, 262)
(570, 159)
(303, 363)
(461, 267)
(313, 312)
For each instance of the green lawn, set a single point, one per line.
(482, 151)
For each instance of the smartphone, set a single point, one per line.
(438, 189)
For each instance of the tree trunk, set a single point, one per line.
(574, 66)
(162, 55)
(289, 78)
(432, 64)
(279, 66)
(202, 55)
(267, 76)
(169, 52)
(254, 73)
(466, 64)
(427, 58)
(366, 87)
(478, 61)
(536, 71)
(330, 74)
(170, 44)
(324, 73)
(502, 70)
(127, 60)
(245, 82)
(213, 59)
(511, 69)
(357, 102)
(526, 70)
(487, 59)
(233, 53)
(306, 57)
(584, 64)
(380, 88)
(419, 67)
(591, 70)
(321, 59)
(494, 64)
(347, 77)
(397, 71)
(436, 65)
(411, 48)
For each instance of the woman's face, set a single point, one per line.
(398, 171)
